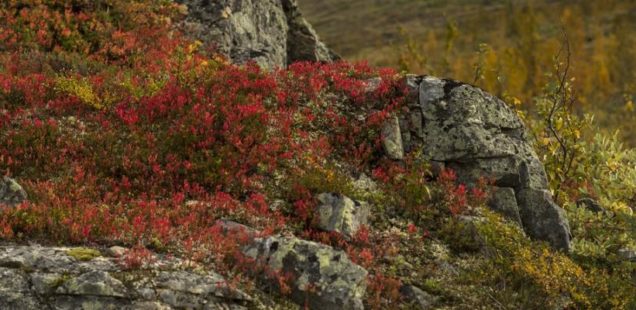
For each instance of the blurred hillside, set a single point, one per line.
(505, 46)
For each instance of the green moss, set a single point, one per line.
(83, 254)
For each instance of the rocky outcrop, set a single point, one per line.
(271, 32)
(478, 135)
(11, 193)
(321, 277)
(341, 214)
(35, 277)
(457, 125)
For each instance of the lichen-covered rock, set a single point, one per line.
(14, 290)
(11, 193)
(271, 32)
(478, 135)
(392, 139)
(323, 278)
(341, 214)
(93, 283)
(36, 277)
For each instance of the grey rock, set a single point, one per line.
(392, 139)
(303, 43)
(116, 251)
(94, 283)
(365, 183)
(543, 219)
(187, 282)
(11, 193)
(46, 283)
(36, 258)
(341, 214)
(273, 33)
(32, 277)
(464, 123)
(148, 305)
(277, 205)
(589, 204)
(323, 278)
(628, 254)
(233, 228)
(417, 298)
(14, 290)
(504, 201)
(63, 302)
(477, 135)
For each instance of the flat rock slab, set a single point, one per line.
(37, 277)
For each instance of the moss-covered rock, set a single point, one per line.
(84, 254)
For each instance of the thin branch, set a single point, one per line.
(561, 99)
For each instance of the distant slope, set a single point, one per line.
(504, 46)
(354, 25)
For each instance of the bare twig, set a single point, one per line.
(562, 99)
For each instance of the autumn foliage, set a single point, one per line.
(124, 131)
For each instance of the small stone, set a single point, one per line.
(365, 183)
(11, 193)
(392, 139)
(277, 205)
(341, 214)
(116, 251)
(233, 228)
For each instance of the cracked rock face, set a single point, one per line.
(478, 135)
(273, 33)
(323, 278)
(35, 277)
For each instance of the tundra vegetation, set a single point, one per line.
(123, 131)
